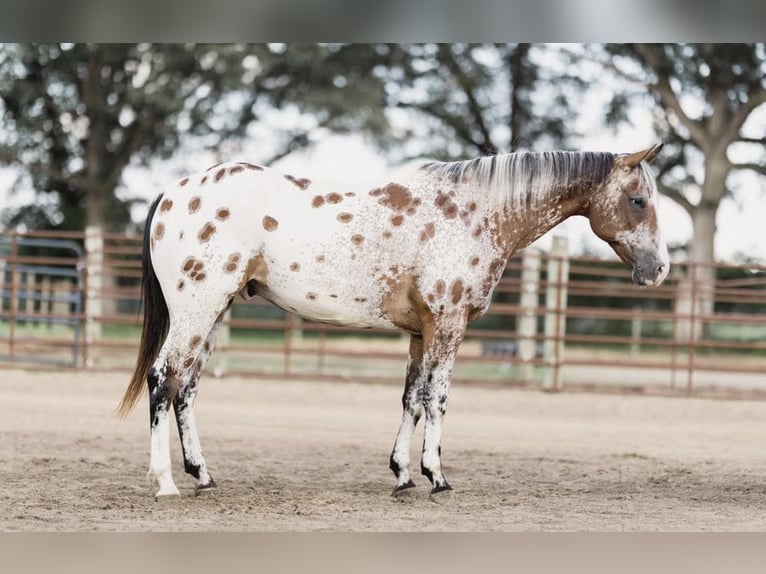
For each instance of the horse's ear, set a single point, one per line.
(631, 160)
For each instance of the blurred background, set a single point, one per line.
(92, 132)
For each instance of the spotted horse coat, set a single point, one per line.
(421, 253)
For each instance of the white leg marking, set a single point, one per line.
(159, 461)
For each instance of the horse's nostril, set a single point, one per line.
(660, 268)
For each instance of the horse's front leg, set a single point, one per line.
(412, 409)
(439, 360)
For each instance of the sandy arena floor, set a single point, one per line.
(302, 456)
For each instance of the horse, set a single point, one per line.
(421, 252)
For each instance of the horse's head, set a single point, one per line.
(623, 212)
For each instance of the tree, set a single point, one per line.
(704, 95)
(76, 115)
(470, 99)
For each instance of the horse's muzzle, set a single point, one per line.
(650, 271)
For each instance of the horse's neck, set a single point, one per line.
(518, 227)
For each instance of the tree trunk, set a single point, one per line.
(696, 291)
(517, 68)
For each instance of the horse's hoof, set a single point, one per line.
(403, 489)
(166, 496)
(206, 489)
(439, 493)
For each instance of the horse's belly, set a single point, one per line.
(326, 309)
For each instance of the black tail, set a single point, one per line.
(156, 321)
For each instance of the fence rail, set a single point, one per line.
(72, 301)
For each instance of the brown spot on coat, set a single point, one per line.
(357, 239)
(334, 198)
(396, 197)
(183, 182)
(194, 204)
(311, 296)
(320, 258)
(222, 214)
(195, 341)
(219, 175)
(236, 169)
(318, 201)
(345, 217)
(474, 261)
(360, 299)
(457, 291)
(166, 205)
(203, 181)
(159, 231)
(251, 166)
(428, 232)
(449, 208)
(350, 194)
(269, 223)
(232, 263)
(397, 220)
(206, 232)
(301, 183)
(387, 234)
(441, 287)
(295, 266)
(181, 285)
(193, 268)
(188, 362)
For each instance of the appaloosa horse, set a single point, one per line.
(421, 253)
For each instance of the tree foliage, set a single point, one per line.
(704, 94)
(469, 99)
(76, 115)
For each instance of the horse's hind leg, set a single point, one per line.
(183, 404)
(161, 384)
(412, 408)
(176, 367)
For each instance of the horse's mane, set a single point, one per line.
(517, 179)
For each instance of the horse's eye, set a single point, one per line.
(639, 202)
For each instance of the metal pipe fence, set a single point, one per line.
(71, 301)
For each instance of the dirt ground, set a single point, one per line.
(297, 456)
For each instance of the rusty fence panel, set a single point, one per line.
(692, 336)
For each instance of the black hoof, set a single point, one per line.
(203, 489)
(403, 488)
(440, 488)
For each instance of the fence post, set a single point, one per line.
(555, 314)
(528, 301)
(94, 260)
(636, 327)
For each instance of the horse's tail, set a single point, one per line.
(156, 321)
